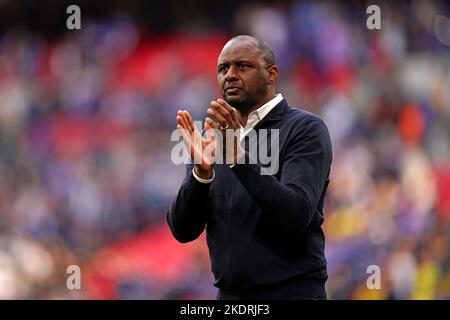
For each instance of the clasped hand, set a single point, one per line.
(222, 128)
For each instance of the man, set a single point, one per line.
(263, 231)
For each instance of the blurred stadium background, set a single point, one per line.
(86, 116)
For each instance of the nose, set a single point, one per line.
(231, 74)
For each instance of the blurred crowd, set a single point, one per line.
(85, 168)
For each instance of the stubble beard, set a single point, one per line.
(240, 104)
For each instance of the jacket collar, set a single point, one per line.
(275, 114)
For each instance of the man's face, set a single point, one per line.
(242, 75)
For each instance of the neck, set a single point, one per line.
(244, 115)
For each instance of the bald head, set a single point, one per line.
(263, 46)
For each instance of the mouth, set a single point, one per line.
(232, 90)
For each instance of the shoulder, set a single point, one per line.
(302, 120)
(307, 130)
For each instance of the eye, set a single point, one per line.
(242, 66)
(223, 69)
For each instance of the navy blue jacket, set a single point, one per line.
(264, 231)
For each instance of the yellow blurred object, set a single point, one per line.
(427, 279)
(444, 286)
(345, 223)
(364, 293)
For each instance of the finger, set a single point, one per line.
(215, 115)
(190, 143)
(183, 122)
(224, 104)
(235, 115)
(185, 135)
(179, 119)
(210, 126)
(186, 120)
(214, 134)
(233, 112)
(213, 123)
(189, 120)
(224, 112)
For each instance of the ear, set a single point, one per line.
(272, 74)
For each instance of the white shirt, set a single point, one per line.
(253, 119)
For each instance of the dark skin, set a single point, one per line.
(246, 82)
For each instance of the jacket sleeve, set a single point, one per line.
(305, 167)
(187, 213)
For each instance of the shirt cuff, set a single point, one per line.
(203, 180)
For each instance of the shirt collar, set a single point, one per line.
(262, 111)
(257, 115)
